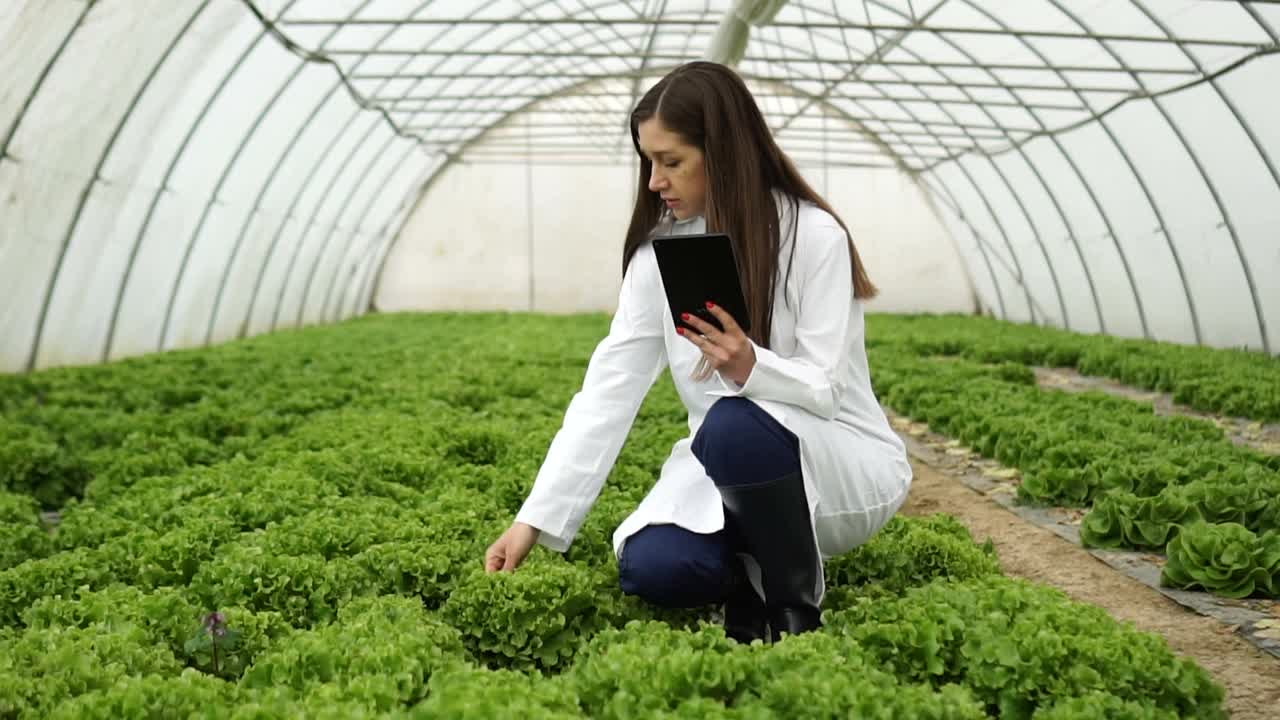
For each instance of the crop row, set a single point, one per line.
(294, 526)
(1231, 382)
(1147, 478)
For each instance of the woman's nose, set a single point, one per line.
(656, 181)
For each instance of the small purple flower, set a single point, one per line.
(215, 622)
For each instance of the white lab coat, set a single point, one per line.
(814, 381)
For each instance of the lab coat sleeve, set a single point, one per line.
(622, 369)
(810, 377)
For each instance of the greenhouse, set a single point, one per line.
(354, 360)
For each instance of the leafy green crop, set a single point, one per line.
(1143, 476)
(1020, 647)
(294, 526)
(1233, 382)
(1224, 558)
(536, 618)
(907, 553)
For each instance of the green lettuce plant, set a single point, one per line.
(1226, 558)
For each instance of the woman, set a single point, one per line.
(790, 458)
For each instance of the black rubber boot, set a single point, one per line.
(745, 615)
(773, 519)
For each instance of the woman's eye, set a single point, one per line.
(671, 165)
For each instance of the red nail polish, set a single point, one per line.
(684, 316)
(680, 331)
(710, 304)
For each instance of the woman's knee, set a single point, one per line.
(738, 442)
(673, 567)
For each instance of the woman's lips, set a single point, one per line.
(672, 203)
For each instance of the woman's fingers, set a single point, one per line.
(512, 562)
(494, 558)
(702, 326)
(726, 320)
(712, 350)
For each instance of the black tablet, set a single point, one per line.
(698, 268)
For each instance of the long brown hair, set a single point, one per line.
(709, 107)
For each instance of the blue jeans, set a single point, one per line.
(738, 443)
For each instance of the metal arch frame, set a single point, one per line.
(253, 212)
(1032, 165)
(1053, 135)
(852, 74)
(496, 75)
(244, 142)
(794, 60)
(289, 272)
(1253, 138)
(305, 184)
(315, 213)
(859, 64)
(662, 21)
(981, 244)
(364, 289)
(1106, 219)
(438, 172)
(508, 71)
(394, 100)
(286, 281)
(351, 241)
(978, 240)
(654, 30)
(1017, 197)
(814, 59)
(1262, 22)
(1019, 275)
(333, 229)
(134, 249)
(644, 63)
(1045, 186)
(587, 79)
(1127, 68)
(471, 97)
(646, 21)
(87, 190)
(319, 260)
(1069, 86)
(383, 239)
(569, 89)
(1137, 95)
(364, 264)
(467, 143)
(1036, 171)
(39, 84)
(249, 134)
(1163, 227)
(297, 198)
(272, 28)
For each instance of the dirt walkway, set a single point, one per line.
(1251, 677)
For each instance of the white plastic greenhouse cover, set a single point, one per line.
(181, 172)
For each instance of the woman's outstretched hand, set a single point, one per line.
(730, 351)
(508, 551)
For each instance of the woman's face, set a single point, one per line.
(678, 176)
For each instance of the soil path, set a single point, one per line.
(1250, 676)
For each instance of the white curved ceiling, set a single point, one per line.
(246, 165)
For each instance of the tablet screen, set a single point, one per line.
(698, 268)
